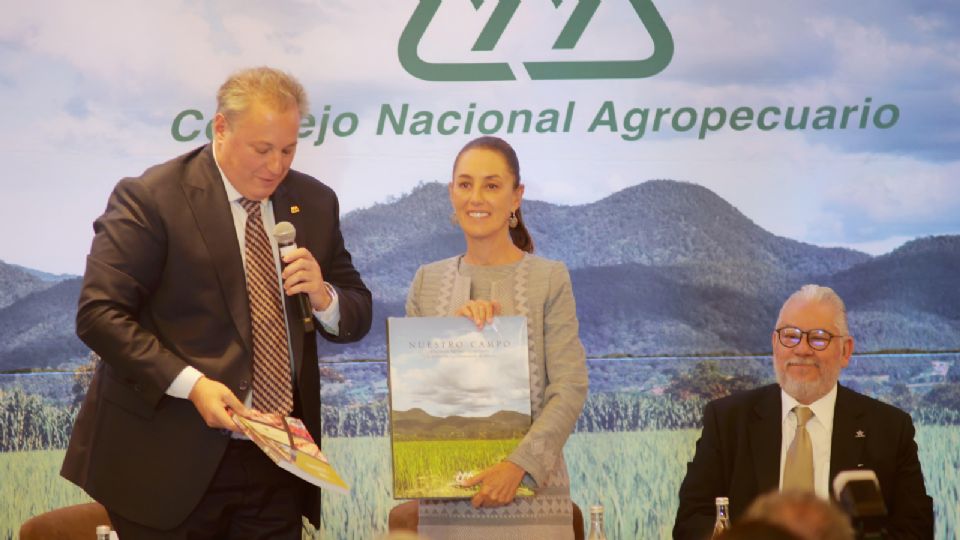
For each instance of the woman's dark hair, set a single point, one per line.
(519, 234)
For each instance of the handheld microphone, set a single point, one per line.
(858, 493)
(286, 234)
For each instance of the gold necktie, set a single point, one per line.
(798, 469)
(272, 387)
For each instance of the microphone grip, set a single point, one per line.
(304, 309)
(305, 312)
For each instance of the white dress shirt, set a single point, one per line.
(820, 428)
(329, 318)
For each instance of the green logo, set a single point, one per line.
(568, 38)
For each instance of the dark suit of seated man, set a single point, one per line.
(748, 438)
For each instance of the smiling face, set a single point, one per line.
(804, 373)
(484, 193)
(255, 148)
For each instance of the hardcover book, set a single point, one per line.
(459, 401)
(288, 443)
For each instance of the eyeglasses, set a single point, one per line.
(818, 339)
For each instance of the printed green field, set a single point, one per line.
(429, 468)
(634, 474)
(940, 457)
(32, 485)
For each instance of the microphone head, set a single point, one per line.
(284, 232)
(858, 493)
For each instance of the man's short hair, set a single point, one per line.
(802, 513)
(267, 85)
(820, 293)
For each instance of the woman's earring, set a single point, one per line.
(513, 221)
(453, 219)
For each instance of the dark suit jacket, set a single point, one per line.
(164, 288)
(738, 456)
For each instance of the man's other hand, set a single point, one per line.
(215, 403)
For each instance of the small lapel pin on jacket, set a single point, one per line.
(860, 434)
(294, 209)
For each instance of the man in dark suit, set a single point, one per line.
(165, 303)
(752, 441)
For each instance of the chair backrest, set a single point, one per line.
(577, 522)
(77, 522)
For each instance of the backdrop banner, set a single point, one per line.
(692, 163)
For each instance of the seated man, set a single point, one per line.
(799, 433)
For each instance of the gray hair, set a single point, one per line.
(821, 294)
(271, 86)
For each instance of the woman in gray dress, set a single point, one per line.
(499, 275)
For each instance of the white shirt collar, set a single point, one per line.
(823, 408)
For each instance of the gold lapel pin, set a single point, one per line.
(294, 209)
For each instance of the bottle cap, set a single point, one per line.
(596, 509)
(723, 500)
(103, 529)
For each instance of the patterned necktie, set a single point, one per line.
(798, 469)
(272, 388)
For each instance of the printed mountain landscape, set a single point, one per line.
(670, 268)
(37, 327)
(660, 268)
(417, 424)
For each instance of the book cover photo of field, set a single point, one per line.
(459, 401)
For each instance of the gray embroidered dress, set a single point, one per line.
(539, 289)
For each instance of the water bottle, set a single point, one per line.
(722, 522)
(103, 532)
(596, 523)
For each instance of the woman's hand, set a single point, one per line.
(498, 485)
(481, 312)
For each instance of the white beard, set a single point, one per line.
(807, 391)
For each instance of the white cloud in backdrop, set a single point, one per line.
(89, 92)
(473, 380)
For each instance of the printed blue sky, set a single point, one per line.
(89, 99)
(444, 384)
